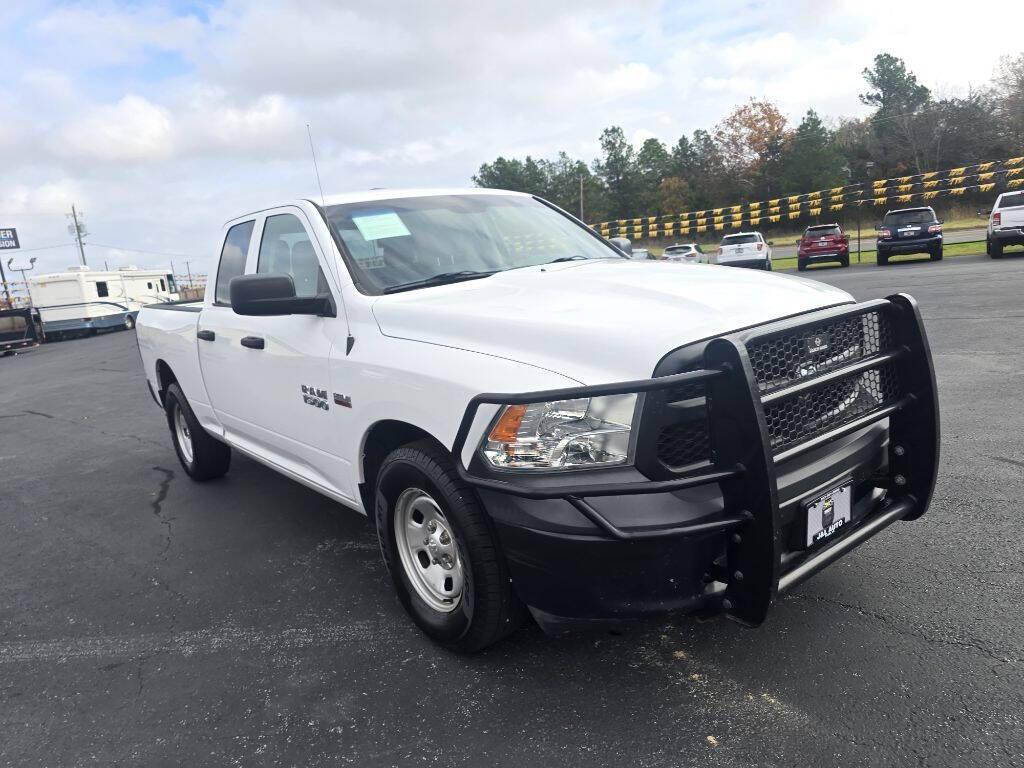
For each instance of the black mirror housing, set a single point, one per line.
(273, 294)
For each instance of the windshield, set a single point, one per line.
(899, 218)
(739, 239)
(823, 231)
(405, 241)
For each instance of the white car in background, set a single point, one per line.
(745, 249)
(686, 253)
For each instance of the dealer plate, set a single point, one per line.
(828, 514)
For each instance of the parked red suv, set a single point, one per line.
(823, 243)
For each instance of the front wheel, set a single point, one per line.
(202, 456)
(442, 552)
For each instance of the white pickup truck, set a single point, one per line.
(536, 423)
(1005, 224)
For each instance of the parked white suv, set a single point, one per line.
(745, 249)
(686, 253)
(1005, 223)
(535, 422)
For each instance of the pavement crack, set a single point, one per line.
(157, 506)
(915, 632)
(1005, 460)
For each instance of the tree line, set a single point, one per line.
(754, 153)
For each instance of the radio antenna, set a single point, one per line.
(315, 168)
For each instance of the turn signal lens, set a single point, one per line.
(507, 427)
(997, 218)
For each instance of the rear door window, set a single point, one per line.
(232, 260)
(101, 289)
(286, 249)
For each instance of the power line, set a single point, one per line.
(140, 250)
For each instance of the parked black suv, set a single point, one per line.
(909, 230)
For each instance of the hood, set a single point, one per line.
(597, 321)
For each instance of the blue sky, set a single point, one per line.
(161, 120)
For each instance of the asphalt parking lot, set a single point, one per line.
(148, 620)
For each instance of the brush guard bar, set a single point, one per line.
(744, 454)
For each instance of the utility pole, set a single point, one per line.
(581, 197)
(78, 231)
(7, 290)
(188, 269)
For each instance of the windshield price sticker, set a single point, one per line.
(9, 239)
(379, 226)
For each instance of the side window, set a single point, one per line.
(286, 250)
(232, 259)
(149, 286)
(101, 289)
(163, 285)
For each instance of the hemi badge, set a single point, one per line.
(816, 343)
(343, 400)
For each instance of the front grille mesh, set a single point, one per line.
(784, 359)
(684, 443)
(781, 360)
(802, 416)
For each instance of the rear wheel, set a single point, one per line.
(996, 250)
(129, 322)
(801, 267)
(442, 552)
(768, 264)
(845, 261)
(202, 456)
(882, 258)
(936, 254)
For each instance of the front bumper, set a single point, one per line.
(726, 535)
(910, 245)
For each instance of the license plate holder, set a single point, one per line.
(828, 514)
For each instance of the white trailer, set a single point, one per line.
(82, 300)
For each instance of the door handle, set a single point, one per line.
(253, 342)
(206, 335)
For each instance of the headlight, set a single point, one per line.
(564, 434)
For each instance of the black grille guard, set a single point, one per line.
(744, 462)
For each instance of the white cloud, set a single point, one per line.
(132, 129)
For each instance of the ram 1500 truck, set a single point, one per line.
(537, 424)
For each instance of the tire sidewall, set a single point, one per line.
(176, 401)
(395, 477)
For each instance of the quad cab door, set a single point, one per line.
(268, 377)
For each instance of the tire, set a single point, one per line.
(768, 265)
(936, 255)
(882, 259)
(419, 478)
(844, 262)
(129, 322)
(801, 267)
(202, 456)
(996, 251)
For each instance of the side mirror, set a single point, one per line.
(270, 294)
(623, 244)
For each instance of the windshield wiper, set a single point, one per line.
(560, 259)
(444, 278)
